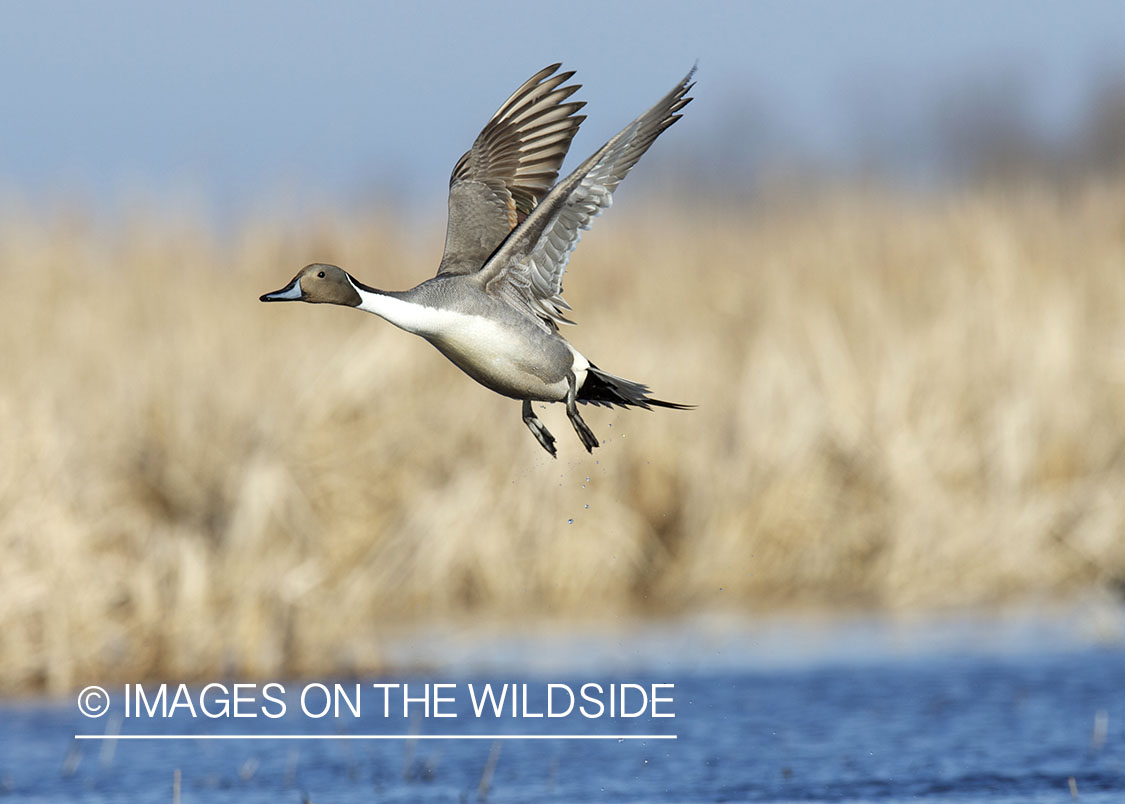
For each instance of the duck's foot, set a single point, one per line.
(589, 440)
(541, 433)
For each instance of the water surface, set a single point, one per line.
(957, 720)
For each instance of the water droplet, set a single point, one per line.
(587, 478)
(571, 522)
(587, 505)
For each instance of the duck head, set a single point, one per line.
(318, 284)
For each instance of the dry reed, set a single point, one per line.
(903, 404)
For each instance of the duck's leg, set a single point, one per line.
(541, 433)
(589, 440)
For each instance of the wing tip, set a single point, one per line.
(687, 84)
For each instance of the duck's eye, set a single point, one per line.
(320, 274)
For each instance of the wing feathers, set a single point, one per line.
(513, 163)
(539, 79)
(528, 269)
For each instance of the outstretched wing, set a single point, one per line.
(527, 270)
(513, 163)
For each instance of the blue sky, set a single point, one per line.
(356, 100)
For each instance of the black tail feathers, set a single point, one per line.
(601, 388)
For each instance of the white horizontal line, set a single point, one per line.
(376, 736)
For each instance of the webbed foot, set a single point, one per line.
(589, 440)
(537, 428)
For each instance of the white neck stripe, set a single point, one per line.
(410, 316)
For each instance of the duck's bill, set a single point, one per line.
(291, 292)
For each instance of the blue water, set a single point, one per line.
(937, 725)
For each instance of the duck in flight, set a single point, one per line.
(495, 306)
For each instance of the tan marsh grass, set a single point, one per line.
(902, 404)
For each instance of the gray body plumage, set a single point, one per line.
(502, 352)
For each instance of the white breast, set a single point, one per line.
(494, 355)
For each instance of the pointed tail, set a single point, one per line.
(601, 388)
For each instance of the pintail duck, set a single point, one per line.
(495, 306)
